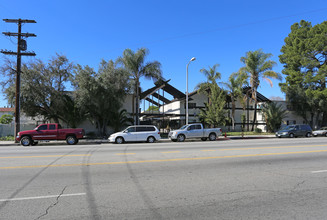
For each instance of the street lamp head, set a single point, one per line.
(193, 58)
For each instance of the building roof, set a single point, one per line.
(7, 109)
(165, 86)
(260, 97)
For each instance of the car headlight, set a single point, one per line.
(284, 133)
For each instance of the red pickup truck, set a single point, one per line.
(47, 132)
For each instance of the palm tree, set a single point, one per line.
(212, 75)
(274, 115)
(134, 64)
(258, 66)
(234, 86)
(120, 119)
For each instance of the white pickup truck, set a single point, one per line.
(194, 131)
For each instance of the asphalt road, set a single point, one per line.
(234, 179)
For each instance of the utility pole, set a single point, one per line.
(21, 46)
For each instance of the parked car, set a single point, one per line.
(148, 133)
(194, 131)
(49, 132)
(295, 131)
(321, 132)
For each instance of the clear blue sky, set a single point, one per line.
(173, 31)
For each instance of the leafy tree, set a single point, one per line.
(100, 94)
(152, 108)
(120, 119)
(214, 113)
(6, 119)
(257, 67)
(273, 115)
(234, 86)
(42, 86)
(305, 66)
(135, 64)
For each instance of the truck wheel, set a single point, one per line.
(203, 138)
(181, 138)
(71, 140)
(119, 140)
(151, 139)
(26, 141)
(212, 137)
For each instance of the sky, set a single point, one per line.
(174, 31)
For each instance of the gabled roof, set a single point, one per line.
(246, 91)
(165, 86)
(260, 97)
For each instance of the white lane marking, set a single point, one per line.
(319, 171)
(41, 197)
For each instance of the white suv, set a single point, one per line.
(148, 133)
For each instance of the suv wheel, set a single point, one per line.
(181, 138)
(151, 139)
(291, 135)
(308, 134)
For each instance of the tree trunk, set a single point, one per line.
(137, 102)
(324, 119)
(255, 109)
(233, 115)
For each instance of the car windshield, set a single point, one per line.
(289, 128)
(183, 127)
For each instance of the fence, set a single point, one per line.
(9, 130)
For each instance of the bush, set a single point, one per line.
(7, 138)
(257, 130)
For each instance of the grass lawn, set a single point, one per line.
(247, 133)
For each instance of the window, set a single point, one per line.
(198, 127)
(191, 105)
(150, 129)
(192, 127)
(130, 129)
(52, 127)
(43, 127)
(288, 122)
(294, 122)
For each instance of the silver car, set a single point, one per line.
(321, 132)
(136, 133)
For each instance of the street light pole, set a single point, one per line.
(193, 58)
